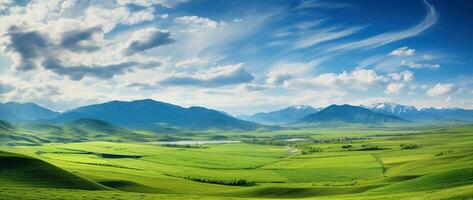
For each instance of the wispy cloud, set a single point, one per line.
(386, 38)
(324, 35)
(307, 4)
(214, 77)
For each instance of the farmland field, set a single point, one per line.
(350, 163)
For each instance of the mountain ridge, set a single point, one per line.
(349, 114)
(282, 116)
(149, 114)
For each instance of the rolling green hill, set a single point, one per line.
(27, 172)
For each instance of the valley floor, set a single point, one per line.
(395, 163)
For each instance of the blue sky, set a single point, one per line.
(238, 56)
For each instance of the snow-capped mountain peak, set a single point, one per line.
(391, 108)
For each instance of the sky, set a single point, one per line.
(240, 56)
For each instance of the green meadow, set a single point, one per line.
(417, 162)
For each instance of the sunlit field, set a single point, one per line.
(331, 164)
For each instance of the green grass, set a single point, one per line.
(439, 168)
(26, 172)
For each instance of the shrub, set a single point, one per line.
(371, 148)
(232, 182)
(409, 146)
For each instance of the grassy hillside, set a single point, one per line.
(20, 171)
(361, 163)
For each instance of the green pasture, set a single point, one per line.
(349, 163)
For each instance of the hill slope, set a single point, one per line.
(349, 114)
(283, 116)
(26, 172)
(451, 113)
(94, 125)
(14, 112)
(154, 114)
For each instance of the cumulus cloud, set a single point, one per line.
(403, 51)
(140, 16)
(69, 38)
(402, 58)
(441, 89)
(80, 40)
(284, 71)
(359, 79)
(26, 46)
(214, 77)
(394, 88)
(405, 76)
(147, 38)
(104, 72)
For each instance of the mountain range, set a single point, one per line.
(410, 113)
(283, 116)
(16, 112)
(349, 114)
(151, 114)
(156, 115)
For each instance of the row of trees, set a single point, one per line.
(233, 182)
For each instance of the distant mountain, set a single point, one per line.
(283, 116)
(410, 113)
(349, 114)
(150, 114)
(16, 112)
(451, 113)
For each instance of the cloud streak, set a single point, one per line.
(386, 38)
(215, 77)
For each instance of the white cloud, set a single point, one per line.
(164, 16)
(323, 35)
(147, 38)
(360, 79)
(147, 3)
(284, 71)
(405, 76)
(389, 37)
(140, 16)
(441, 89)
(197, 22)
(414, 65)
(214, 77)
(403, 51)
(192, 62)
(394, 88)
